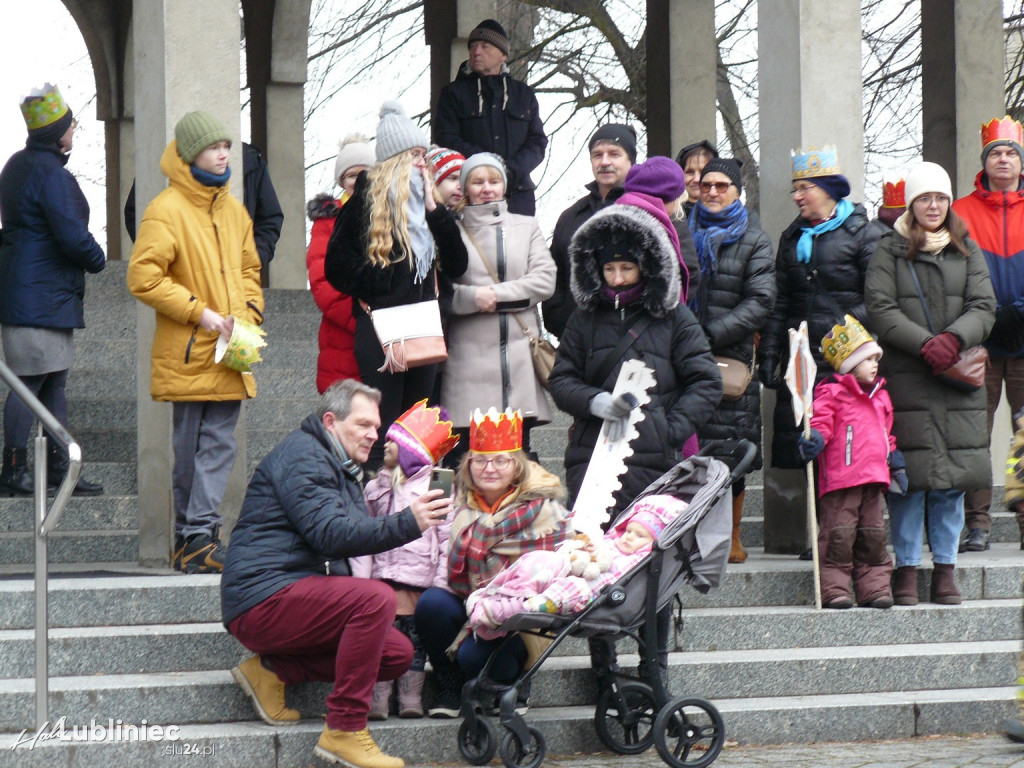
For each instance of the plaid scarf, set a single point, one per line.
(484, 544)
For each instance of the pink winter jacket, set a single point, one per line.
(421, 563)
(857, 427)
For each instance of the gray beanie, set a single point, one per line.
(353, 150)
(478, 160)
(396, 132)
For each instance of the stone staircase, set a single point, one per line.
(136, 645)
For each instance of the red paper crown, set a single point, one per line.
(494, 432)
(430, 430)
(1006, 129)
(892, 194)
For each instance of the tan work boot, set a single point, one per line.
(266, 691)
(737, 554)
(356, 749)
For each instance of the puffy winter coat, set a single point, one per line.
(348, 269)
(941, 430)
(857, 427)
(740, 295)
(499, 114)
(46, 246)
(995, 221)
(303, 514)
(195, 250)
(489, 360)
(337, 358)
(822, 290)
(688, 387)
(421, 563)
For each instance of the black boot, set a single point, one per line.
(57, 466)
(15, 479)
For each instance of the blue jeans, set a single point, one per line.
(945, 521)
(439, 617)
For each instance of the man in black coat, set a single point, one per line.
(286, 591)
(486, 110)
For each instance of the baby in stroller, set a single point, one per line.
(567, 579)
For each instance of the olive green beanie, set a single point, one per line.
(196, 131)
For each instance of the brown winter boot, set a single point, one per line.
(410, 694)
(944, 591)
(904, 585)
(381, 701)
(737, 554)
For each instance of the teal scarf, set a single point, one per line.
(806, 242)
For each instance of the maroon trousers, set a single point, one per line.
(851, 543)
(330, 628)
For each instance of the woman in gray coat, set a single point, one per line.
(939, 429)
(489, 359)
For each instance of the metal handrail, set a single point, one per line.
(45, 521)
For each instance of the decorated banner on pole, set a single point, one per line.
(800, 379)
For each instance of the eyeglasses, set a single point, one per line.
(803, 189)
(928, 200)
(349, 177)
(499, 462)
(418, 153)
(719, 186)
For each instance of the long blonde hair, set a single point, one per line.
(389, 219)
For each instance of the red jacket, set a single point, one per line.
(337, 359)
(857, 427)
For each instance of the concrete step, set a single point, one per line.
(98, 513)
(66, 546)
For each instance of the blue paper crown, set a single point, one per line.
(814, 162)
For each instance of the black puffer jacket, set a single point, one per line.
(673, 346)
(740, 296)
(821, 291)
(303, 514)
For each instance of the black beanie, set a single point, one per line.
(689, 149)
(616, 133)
(612, 251)
(725, 165)
(490, 31)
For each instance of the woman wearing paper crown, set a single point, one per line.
(505, 505)
(819, 275)
(929, 298)
(195, 262)
(45, 253)
(416, 442)
(386, 249)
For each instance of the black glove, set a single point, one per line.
(768, 371)
(810, 447)
(1008, 330)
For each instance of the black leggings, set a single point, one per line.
(49, 388)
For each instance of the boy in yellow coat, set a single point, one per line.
(195, 262)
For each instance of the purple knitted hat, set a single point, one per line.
(659, 177)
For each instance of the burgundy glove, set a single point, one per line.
(942, 351)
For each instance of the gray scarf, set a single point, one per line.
(420, 238)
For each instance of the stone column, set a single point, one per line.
(810, 94)
(179, 66)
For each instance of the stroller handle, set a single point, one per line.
(738, 455)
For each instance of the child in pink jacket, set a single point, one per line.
(415, 443)
(851, 429)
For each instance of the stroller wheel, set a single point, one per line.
(689, 733)
(624, 718)
(514, 754)
(477, 740)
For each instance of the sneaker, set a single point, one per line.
(203, 554)
(266, 691)
(977, 540)
(355, 749)
(447, 702)
(179, 550)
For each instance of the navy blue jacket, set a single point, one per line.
(47, 246)
(303, 514)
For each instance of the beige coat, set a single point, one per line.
(489, 361)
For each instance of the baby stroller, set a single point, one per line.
(637, 711)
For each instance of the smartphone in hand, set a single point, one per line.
(443, 479)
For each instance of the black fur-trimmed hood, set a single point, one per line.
(643, 236)
(323, 206)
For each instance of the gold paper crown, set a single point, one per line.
(1006, 129)
(427, 427)
(494, 432)
(893, 194)
(242, 350)
(43, 107)
(814, 162)
(842, 340)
